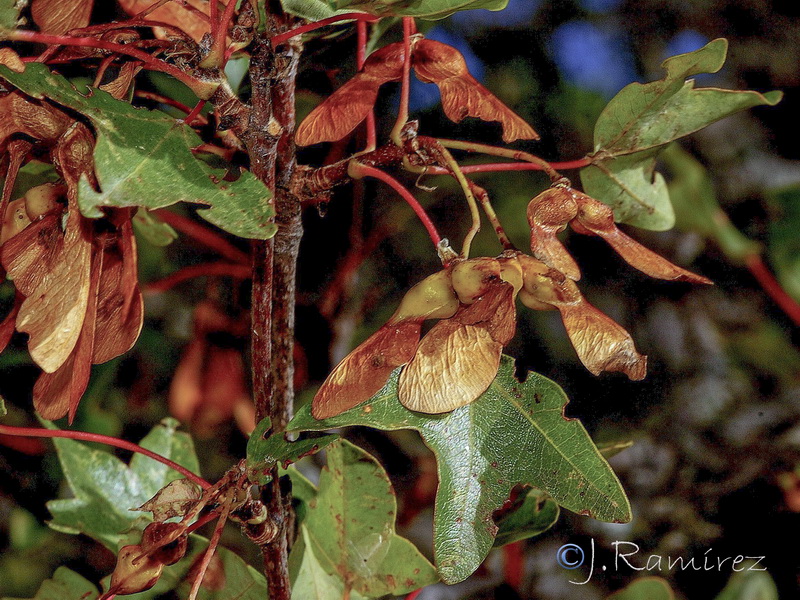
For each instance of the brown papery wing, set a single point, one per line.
(53, 314)
(59, 16)
(462, 95)
(548, 214)
(366, 369)
(59, 393)
(33, 253)
(597, 218)
(172, 13)
(341, 112)
(494, 311)
(453, 366)
(119, 309)
(601, 344)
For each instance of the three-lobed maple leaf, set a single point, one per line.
(433, 62)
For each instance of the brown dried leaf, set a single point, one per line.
(15, 221)
(186, 388)
(601, 344)
(33, 253)
(74, 157)
(223, 387)
(59, 393)
(37, 119)
(54, 313)
(597, 218)
(453, 366)
(11, 59)
(173, 500)
(8, 324)
(59, 16)
(462, 95)
(172, 13)
(119, 86)
(548, 215)
(341, 112)
(366, 369)
(119, 301)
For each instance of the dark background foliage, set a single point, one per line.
(715, 424)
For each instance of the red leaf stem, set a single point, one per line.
(85, 436)
(220, 269)
(361, 56)
(361, 170)
(354, 16)
(204, 235)
(766, 279)
(146, 95)
(19, 35)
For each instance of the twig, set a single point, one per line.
(284, 37)
(204, 235)
(103, 439)
(358, 170)
(504, 152)
(221, 269)
(766, 279)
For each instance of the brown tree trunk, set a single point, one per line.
(270, 144)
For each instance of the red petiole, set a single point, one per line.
(85, 436)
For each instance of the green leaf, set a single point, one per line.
(515, 433)
(9, 13)
(105, 488)
(749, 585)
(65, 585)
(646, 588)
(426, 9)
(152, 229)
(310, 581)
(303, 492)
(697, 209)
(311, 10)
(642, 118)
(262, 453)
(144, 158)
(609, 449)
(783, 241)
(537, 513)
(32, 174)
(3, 411)
(350, 527)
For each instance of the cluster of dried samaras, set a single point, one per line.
(457, 360)
(77, 294)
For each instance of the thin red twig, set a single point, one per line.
(221, 34)
(513, 564)
(103, 439)
(767, 280)
(20, 35)
(195, 112)
(413, 595)
(361, 57)
(222, 269)
(204, 235)
(361, 170)
(354, 16)
(146, 95)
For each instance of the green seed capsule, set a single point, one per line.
(472, 278)
(431, 298)
(42, 199)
